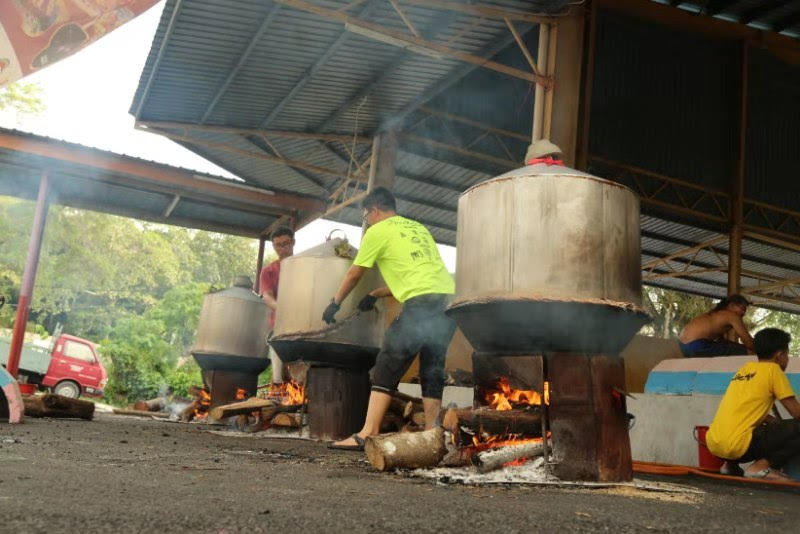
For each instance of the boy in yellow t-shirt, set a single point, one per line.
(742, 430)
(406, 255)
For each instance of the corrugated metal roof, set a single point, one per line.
(663, 99)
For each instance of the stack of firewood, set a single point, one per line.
(405, 414)
(256, 414)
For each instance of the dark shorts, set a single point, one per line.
(701, 348)
(421, 328)
(778, 442)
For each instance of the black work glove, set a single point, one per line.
(329, 312)
(367, 303)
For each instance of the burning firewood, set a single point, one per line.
(287, 420)
(467, 423)
(409, 450)
(51, 405)
(265, 406)
(492, 459)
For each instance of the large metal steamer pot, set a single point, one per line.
(308, 281)
(232, 330)
(548, 258)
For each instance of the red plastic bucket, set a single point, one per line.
(27, 389)
(705, 459)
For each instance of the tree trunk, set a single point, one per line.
(409, 450)
(50, 405)
(337, 401)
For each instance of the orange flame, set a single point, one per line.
(204, 400)
(241, 394)
(290, 393)
(507, 398)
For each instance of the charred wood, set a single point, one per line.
(465, 423)
(51, 405)
(495, 458)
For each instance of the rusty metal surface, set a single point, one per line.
(589, 429)
(233, 323)
(554, 234)
(346, 355)
(308, 282)
(522, 326)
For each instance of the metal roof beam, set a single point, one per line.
(409, 42)
(312, 71)
(287, 134)
(788, 21)
(267, 147)
(151, 172)
(453, 77)
(762, 10)
(386, 73)
(273, 13)
(484, 11)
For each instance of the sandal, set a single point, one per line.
(359, 446)
(767, 474)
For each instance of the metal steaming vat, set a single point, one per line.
(308, 282)
(232, 330)
(548, 259)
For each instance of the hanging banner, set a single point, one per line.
(37, 33)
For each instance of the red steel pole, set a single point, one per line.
(28, 277)
(259, 264)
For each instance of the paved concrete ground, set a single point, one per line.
(119, 474)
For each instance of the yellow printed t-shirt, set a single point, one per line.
(747, 401)
(407, 258)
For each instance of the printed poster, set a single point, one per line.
(37, 33)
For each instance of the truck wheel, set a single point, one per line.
(67, 388)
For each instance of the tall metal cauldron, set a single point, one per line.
(308, 282)
(232, 330)
(548, 259)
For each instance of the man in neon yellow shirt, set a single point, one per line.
(415, 275)
(742, 430)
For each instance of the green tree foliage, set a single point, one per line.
(24, 98)
(671, 310)
(135, 286)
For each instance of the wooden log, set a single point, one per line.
(418, 419)
(151, 405)
(467, 422)
(140, 413)
(408, 450)
(245, 407)
(391, 422)
(51, 405)
(187, 414)
(495, 458)
(287, 420)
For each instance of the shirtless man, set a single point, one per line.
(705, 335)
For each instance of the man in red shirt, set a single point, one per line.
(283, 244)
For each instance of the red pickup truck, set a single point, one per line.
(69, 367)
